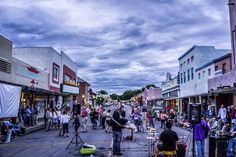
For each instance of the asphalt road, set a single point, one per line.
(49, 144)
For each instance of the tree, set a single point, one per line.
(103, 92)
(150, 85)
(100, 100)
(114, 96)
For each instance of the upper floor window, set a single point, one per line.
(181, 65)
(192, 58)
(216, 68)
(209, 72)
(203, 74)
(184, 77)
(188, 61)
(223, 68)
(192, 74)
(55, 72)
(188, 75)
(181, 78)
(184, 63)
(199, 76)
(67, 78)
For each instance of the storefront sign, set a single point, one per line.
(24, 71)
(70, 89)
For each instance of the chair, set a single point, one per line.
(169, 153)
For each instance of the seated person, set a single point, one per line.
(10, 130)
(232, 142)
(169, 139)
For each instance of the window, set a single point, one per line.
(203, 74)
(55, 73)
(192, 58)
(199, 76)
(209, 72)
(192, 74)
(181, 65)
(181, 79)
(67, 78)
(188, 61)
(184, 77)
(188, 75)
(223, 68)
(216, 68)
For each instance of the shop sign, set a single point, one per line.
(31, 73)
(70, 89)
(71, 83)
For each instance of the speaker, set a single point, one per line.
(76, 109)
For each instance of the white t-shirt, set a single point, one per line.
(222, 113)
(65, 118)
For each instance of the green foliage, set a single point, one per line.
(150, 85)
(100, 100)
(103, 92)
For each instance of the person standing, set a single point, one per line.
(28, 116)
(65, 118)
(48, 117)
(233, 114)
(84, 115)
(117, 124)
(201, 130)
(153, 115)
(54, 119)
(222, 113)
(108, 121)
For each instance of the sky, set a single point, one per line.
(118, 45)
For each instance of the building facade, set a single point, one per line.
(84, 95)
(190, 80)
(62, 72)
(222, 88)
(170, 92)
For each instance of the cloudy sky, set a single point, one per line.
(118, 44)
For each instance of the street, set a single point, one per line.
(48, 144)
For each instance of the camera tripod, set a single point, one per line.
(76, 139)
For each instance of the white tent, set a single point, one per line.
(9, 100)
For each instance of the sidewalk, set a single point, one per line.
(28, 130)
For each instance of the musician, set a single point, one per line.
(169, 140)
(232, 141)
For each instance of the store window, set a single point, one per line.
(56, 71)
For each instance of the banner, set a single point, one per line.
(9, 100)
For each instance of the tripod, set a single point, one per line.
(76, 137)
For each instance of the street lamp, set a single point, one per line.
(93, 101)
(83, 99)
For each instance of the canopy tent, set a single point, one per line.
(9, 100)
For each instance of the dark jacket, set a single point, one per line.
(117, 123)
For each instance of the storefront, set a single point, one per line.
(70, 91)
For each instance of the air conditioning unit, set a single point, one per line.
(218, 72)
